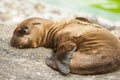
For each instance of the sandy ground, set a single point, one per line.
(29, 64)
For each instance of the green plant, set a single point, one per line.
(109, 5)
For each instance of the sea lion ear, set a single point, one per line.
(83, 19)
(36, 23)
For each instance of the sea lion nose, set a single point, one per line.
(14, 42)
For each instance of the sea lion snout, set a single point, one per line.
(20, 42)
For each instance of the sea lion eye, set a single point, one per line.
(24, 30)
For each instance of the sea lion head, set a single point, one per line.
(29, 33)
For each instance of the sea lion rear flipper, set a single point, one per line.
(83, 19)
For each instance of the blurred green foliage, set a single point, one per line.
(109, 5)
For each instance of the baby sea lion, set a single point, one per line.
(79, 46)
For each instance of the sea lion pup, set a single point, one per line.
(79, 46)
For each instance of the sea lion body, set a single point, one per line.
(79, 46)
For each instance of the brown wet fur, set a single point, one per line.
(97, 50)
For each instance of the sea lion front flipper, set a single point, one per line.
(50, 61)
(63, 61)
